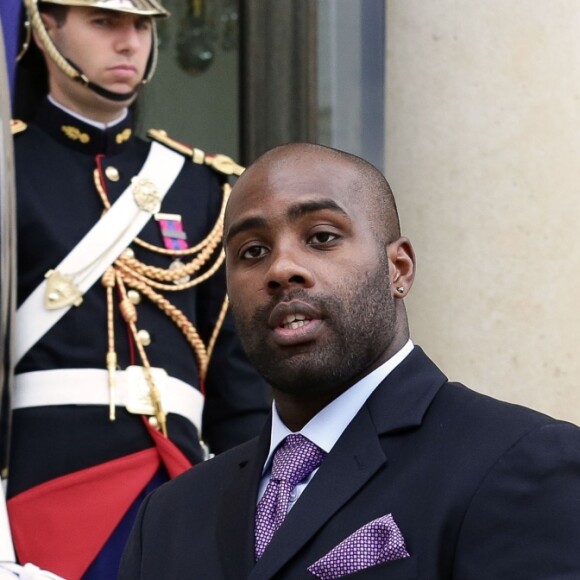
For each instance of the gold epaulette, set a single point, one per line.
(17, 126)
(221, 163)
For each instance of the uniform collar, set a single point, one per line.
(83, 137)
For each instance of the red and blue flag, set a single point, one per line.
(10, 11)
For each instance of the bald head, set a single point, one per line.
(368, 185)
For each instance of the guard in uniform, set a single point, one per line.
(129, 368)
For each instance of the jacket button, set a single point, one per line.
(112, 173)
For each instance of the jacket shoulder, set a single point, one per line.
(218, 162)
(17, 126)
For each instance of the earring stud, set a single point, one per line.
(400, 289)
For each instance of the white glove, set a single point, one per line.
(26, 572)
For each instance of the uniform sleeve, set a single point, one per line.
(524, 521)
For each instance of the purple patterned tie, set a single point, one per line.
(294, 460)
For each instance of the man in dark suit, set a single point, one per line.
(420, 477)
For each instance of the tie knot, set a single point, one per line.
(295, 459)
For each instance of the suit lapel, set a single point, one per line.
(400, 402)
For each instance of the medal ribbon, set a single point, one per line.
(172, 232)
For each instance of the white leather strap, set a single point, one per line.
(6, 547)
(100, 247)
(90, 387)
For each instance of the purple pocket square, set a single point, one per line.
(377, 542)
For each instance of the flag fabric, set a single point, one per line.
(10, 11)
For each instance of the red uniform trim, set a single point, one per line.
(61, 525)
(173, 459)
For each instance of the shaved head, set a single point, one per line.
(370, 186)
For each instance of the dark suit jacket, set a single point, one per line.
(480, 489)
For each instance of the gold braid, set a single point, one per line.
(108, 281)
(180, 319)
(149, 274)
(48, 44)
(217, 328)
(127, 271)
(129, 313)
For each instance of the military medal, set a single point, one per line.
(174, 238)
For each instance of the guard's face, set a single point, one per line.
(308, 282)
(111, 48)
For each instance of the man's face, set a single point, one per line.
(111, 48)
(307, 280)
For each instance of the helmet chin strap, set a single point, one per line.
(117, 97)
(102, 91)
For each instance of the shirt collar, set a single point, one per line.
(87, 120)
(325, 428)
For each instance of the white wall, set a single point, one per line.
(483, 152)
